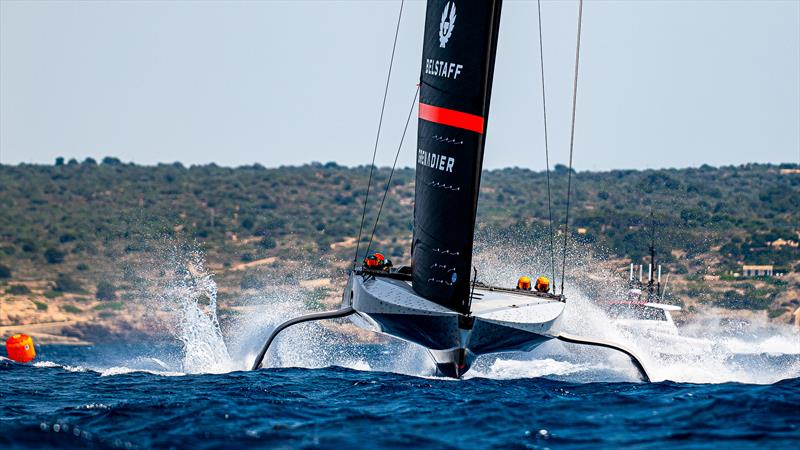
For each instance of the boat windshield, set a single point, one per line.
(636, 311)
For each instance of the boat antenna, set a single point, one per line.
(652, 286)
(546, 151)
(571, 145)
(378, 134)
(396, 155)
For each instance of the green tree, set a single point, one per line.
(18, 289)
(53, 256)
(65, 283)
(106, 291)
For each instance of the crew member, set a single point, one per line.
(377, 261)
(543, 284)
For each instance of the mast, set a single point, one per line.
(458, 57)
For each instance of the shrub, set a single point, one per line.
(106, 291)
(267, 243)
(250, 281)
(53, 294)
(18, 289)
(65, 283)
(773, 313)
(40, 306)
(66, 237)
(70, 308)
(53, 256)
(5, 272)
(114, 306)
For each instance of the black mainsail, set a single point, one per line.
(457, 67)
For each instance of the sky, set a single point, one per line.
(662, 83)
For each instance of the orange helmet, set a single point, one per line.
(375, 261)
(542, 284)
(524, 283)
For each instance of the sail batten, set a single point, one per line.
(459, 46)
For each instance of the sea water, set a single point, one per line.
(323, 388)
(89, 397)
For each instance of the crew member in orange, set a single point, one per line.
(543, 284)
(377, 261)
(524, 283)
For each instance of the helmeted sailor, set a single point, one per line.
(377, 261)
(543, 284)
(524, 283)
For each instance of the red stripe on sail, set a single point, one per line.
(451, 118)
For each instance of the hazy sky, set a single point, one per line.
(662, 83)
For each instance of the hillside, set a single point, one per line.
(78, 233)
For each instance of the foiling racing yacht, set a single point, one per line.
(437, 302)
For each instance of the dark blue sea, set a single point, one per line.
(60, 403)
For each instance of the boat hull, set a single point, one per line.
(501, 320)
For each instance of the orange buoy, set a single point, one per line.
(20, 348)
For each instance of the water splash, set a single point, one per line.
(183, 292)
(313, 344)
(181, 296)
(712, 349)
(190, 298)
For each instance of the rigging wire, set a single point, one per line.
(571, 144)
(378, 135)
(396, 155)
(546, 151)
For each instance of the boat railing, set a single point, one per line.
(402, 275)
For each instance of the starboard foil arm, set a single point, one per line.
(344, 312)
(600, 343)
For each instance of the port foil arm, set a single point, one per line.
(599, 343)
(344, 312)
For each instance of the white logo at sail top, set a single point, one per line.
(447, 24)
(442, 69)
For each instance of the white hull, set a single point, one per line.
(666, 341)
(501, 320)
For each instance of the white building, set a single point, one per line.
(757, 271)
